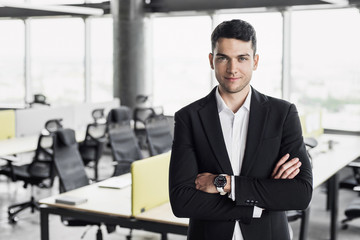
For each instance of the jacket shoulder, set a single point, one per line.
(195, 106)
(192, 107)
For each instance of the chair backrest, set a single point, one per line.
(118, 116)
(53, 125)
(141, 114)
(158, 134)
(42, 165)
(123, 143)
(98, 115)
(310, 143)
(43, 161)
(39, 99)
(68, 163)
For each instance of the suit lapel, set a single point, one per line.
(210, 120)
(258, 116)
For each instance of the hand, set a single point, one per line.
(205, 182)
(286, 170)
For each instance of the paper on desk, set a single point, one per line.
(70, 200)
(115, 182)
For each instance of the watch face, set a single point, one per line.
(220, 181)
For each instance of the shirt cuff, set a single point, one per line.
(257, 212)
(232, 192)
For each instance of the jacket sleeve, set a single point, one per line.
(185, 199)
(281, 194)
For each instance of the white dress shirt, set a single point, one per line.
(234, 128)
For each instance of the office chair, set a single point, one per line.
(140, 115)
(353, 210)
(303, 215)
(71, 171)
(38, 173)
(158, 135)
(39, 99)
(91, 149)
(354, 180)
(123, 142)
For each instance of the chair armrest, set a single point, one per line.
(114, 163)
(9, 158)
(354, 164)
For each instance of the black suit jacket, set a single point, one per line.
(274, 130)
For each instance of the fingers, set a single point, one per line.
(279, 163)
(288, 169)
(294, 173)
(291, 172)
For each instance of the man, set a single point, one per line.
(230, 142)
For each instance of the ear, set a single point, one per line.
(256, 61)
(211, 58)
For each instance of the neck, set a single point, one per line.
(234, 100)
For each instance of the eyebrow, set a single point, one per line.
(241, 55)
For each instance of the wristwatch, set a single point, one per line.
(220, 182)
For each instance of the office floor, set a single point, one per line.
(28, 225)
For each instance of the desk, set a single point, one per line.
(327, 162)
(101, 207)
(26, 144)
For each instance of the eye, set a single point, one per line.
(241, 59)
(221, 58)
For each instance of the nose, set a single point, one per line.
(232, 67)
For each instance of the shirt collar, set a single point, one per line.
(221, 105)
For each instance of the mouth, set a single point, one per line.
(231, 79)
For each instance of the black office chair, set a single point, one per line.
(39, 99)
(354, 179)
(91, 149)
(40, 172)
(303, 215)
(123, 142)
(71, 171)
(158, 135)
(353, 209)
(140, 115)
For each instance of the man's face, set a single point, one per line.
(234, 62)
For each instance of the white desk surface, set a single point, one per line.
(26, 144)
(114, 202)
(327, 162)
(162, 214)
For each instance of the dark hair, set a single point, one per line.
(237, 29)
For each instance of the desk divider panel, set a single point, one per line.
(7, 124)
(150, 187)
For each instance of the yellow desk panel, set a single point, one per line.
(150, 183)
(7, 124)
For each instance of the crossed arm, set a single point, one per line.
(284, 169)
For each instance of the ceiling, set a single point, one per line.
(29, 10)
(154, 6)
(206, 5)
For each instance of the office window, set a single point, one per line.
(181, 67)
(325, 65)
(101, 59)
(57, 66)
(268, 27)
(12, 42)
